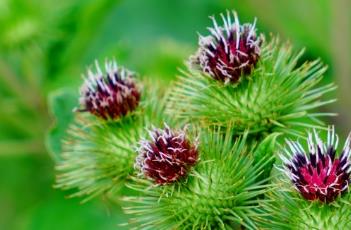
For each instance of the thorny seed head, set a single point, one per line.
(110, 94)
(230, 51)
(167, 156)
(319, 174)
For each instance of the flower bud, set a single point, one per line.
(110, 94)
(230, 51)
(319, 174)
(167, 157)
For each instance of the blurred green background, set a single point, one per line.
(46, 45)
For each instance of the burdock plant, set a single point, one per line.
(311, 186)
(219, 192)
(236, 77)
(318, 174)
(167, 157)
(109, 95)
(199, 154)
(229, 52)
(98, 152)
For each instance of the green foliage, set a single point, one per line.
(266, 148)
(44, 46)
(23, 25)
(220, 193)
(61, 104)
(35, 36)
(274, 98)
(72, 215)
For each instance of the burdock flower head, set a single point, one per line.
(167, 157)
(230, 51)
(319, 173)
(110, 94)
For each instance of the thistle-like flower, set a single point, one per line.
(220, 193)
(319, 174)
(110, 94)
(98, 158)
(229, 51)
(167, 157)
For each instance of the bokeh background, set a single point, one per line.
(45, 45)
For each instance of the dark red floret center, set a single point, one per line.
(242, 61)
(169, 160)
(122, 98)
(323, 178)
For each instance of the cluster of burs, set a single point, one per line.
(236, 142)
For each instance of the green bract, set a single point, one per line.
(98, 156)
(221, 191)
(277, 96)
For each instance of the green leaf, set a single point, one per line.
(265, 151)
(267, 146)
(89, 18)
(61, 103)
(93, 215)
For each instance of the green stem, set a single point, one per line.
(11, 80)
(21, 147)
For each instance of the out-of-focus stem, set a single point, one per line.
(341, 51)
(9, 78)
(19, 147)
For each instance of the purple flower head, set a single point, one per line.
(229, 51)
(110, 94)
(167, 156)
(319, 173)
